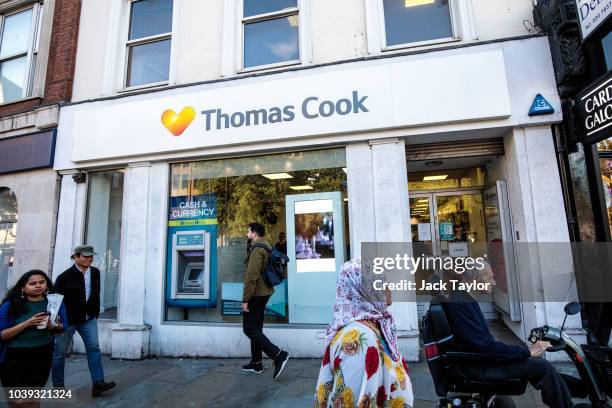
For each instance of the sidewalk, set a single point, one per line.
(180, 383)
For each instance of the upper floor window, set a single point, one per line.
(18, 51)
(417, 21)
(149, 40)
(271, 32)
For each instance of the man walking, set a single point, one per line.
(254, 299)
(80, 285)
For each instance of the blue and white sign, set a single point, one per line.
(591, 14)
(541, 106)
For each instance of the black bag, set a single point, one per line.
(275, 269)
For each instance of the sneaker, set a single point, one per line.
(279, 363)
(256, 368)
(100, 386)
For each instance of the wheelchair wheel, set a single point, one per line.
(503, 401)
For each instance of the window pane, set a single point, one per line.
(606, 43)
(243, 190)
(270, 41)
(255, 7)
(12, 79)
(149, 63)
(408, 21)
(104, 212)
(150, 17)
(15, 33)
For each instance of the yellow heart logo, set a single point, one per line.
(177, 123)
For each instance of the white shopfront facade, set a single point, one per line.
(369, 110)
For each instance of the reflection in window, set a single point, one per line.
(271, 33)
(149, 42)
(605, 163)
(104, 212)
(8, 234)
(245, 190)
(413, 21)
(18, 52)
(606, 43)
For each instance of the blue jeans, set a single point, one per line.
(89, 333)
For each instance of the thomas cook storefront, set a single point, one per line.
(164, 184)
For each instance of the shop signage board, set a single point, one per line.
(324, 101)
(591, 14)
(594, 106)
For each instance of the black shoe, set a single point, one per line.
(253, 368)
(279, 363)
(100, 386)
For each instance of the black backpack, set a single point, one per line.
(275, 269)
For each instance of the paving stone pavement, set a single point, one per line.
(212, 383)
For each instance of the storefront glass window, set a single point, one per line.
(104, 212)
(606, 43)
(208, 223)
(605, 163)
(413, 21)
(8, 234)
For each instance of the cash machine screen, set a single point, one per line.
(191, 272)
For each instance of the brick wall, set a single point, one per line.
(61, 63)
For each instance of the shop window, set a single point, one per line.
(606, 44)
(208, 221)
(103, 232)
(8, 234)
(149, 41)
(271, 32)
(604, 149)
(18, 52)
(412, 22)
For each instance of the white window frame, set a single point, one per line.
(462, 26)
(233, 37)
(127, 44)
(30, 89)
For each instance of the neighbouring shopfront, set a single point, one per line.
(330, 157)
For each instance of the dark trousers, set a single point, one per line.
(27, 367)
(252, 326)
(540, 373)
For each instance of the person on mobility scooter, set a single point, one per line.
(464, 357)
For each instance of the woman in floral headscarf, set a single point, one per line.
(362, 366)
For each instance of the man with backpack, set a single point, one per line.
(255, 296)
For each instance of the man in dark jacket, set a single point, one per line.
(80, 286)
(471, 334)
(254, 299)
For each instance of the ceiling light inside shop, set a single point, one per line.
(344, 169)
(299, 188)
(277, 176)
(413, 3)
(423, 200)
(434, 178)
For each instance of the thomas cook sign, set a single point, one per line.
(591, 14)
(595, 110)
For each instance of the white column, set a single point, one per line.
(392, 221)
(546, 279)
(70, 221)
(130, 338)
(361, 196)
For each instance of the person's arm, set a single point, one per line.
(63, 321)
(7, 331)
(254, 267)
(472, 332)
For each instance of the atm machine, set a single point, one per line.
(189, 281)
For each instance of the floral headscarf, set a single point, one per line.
(356, 299)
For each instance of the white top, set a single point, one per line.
(87, 276)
